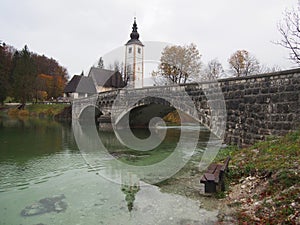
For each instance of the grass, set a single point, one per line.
(276, 163)
(270, 156)
(37, 110)
(47, 110)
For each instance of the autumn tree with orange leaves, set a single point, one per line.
(48, 86)
(27, 76)
(242, 63)
(179, 64)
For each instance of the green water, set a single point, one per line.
(40, 159)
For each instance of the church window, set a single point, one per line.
(139, 50)
(130, 50)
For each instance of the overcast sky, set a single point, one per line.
(77, 33)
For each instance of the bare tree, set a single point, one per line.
(213, 70)
(119, 66)
(159, 79)
(267, 69)
(242, 63)
(289, 29)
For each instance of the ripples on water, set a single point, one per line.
(39, 159)
(32, 151)
(38, 170)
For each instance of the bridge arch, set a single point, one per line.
(87, 112)
(144, 110)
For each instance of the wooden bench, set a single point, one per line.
(214, 176)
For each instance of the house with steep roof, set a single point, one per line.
(100, 80)
(79, 87)
(106, 80)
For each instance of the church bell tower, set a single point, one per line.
(134, 59)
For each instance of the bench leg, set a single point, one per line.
(210, 187)
(222, 185)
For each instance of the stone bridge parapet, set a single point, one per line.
(256, 106)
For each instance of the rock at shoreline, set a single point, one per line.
(46, 205)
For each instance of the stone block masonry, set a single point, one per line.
(261, 105)
(256, 106)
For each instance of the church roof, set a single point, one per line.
(80, 84)
(106, 78)
(134, 36)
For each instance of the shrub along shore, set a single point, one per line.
(37, 110)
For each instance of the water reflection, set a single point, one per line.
(40, 159)
(123, 162)
(34, 150)
(130, 192)
(22, 139)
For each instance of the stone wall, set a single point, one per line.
(261, 105)
(256, 106)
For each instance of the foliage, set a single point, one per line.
(275, 165)
(225, 152)
(130, 191)
(50, 77)
(39, 110)
(50, 66)
(23, 113)
(179, 64)
(289, 28)
(47, 110)
(13, 112)
(100, 63)
(119, 67)
(23, 73)
(172, 117)
(18, 113)
(268, 156)
(243, 63)
(47, 85)
(5, 64)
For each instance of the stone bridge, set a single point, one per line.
(246, 108)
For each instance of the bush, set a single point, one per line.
(13, 112)
(17, 112)
(23, 113)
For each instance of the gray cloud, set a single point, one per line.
(77, 33)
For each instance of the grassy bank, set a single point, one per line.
(38, 110)
(264, 181)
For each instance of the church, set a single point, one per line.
(100, 79)
(134, 58)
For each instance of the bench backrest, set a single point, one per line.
(226, 163)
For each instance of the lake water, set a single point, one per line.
(46, 179)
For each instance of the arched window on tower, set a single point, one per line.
(129, 50)
(139, 50)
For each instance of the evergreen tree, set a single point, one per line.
(101, 63)
(5, 68)
(24, 76)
